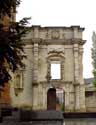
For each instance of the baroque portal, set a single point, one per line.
(46, 46)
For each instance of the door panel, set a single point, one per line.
(51, 99)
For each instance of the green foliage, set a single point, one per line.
(11, 44)
(62, 107)
(94, 81)
(7, 5)
(94, 57)
(11, 48)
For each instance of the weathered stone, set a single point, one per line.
(44, 46)
(26, 115)
(34, 118)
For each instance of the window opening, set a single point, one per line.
(55, 71)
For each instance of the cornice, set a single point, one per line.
(54, 41)
(59, 27)
(56, 82)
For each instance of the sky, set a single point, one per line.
(64, 13)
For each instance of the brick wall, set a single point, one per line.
(5, 96)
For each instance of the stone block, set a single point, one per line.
(27, 117)
(40, 115)
(6, 111)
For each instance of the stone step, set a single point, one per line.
(10, 119)
(14, 118)
(17, 123)
(40, 115)
(6, 112)
(16, 114)
(32, 123)
(34, 118)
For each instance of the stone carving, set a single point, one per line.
(55, 34)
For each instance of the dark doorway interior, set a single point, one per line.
(51, 99)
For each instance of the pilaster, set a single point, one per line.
(67, 101)
(36, 32)
(35, 71)
(77, 97)
(82, 86)
(82, 98)
(76, 64)
(35, 97)
(40, 96)
(81, 65)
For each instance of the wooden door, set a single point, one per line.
(51, 99)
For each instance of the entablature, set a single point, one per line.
(54, 42)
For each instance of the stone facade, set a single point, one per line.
(90, 98)
(44, 46)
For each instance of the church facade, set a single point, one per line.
(35, 87)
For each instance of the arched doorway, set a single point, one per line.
(51, 99)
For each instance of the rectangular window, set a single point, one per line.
(89, 93)
(55, 71)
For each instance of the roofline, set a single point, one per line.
(57, 27)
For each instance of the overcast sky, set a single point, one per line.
(64, 13)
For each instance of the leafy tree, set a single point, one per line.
(7, 5)
(11, 44)
(94, 57)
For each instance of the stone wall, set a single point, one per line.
(91, 101)
(5, 99)
(45, 45)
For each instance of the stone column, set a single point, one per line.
(62, 70)
(77, 97)
(35, 71)
(71, 101)
(67, 106)
(76, 80)
(44, 97)
(82, 86)
(35, 97)
(76, 63)
(40, 96)
(67, 98)
(81, 65)
(82, 98)
(36, 32)
(35, 76)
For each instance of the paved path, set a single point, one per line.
(81, 121)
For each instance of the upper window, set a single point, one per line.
(55, 71)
